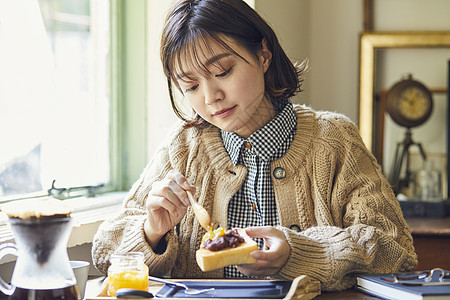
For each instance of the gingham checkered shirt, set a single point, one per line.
(254, 204)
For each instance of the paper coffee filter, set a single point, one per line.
(37, 208)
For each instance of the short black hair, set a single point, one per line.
(190, 22)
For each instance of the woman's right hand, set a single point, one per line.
(167, 203)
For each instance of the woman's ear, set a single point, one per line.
(266, 55)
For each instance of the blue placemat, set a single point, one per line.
(245, 289)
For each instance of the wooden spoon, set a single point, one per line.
(200, 212)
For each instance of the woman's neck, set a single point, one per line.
(262, 116)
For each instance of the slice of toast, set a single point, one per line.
(210, 260)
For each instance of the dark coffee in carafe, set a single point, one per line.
(67, 293)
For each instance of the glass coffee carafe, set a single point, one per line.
(42, 269)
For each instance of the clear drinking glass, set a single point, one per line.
(428, 183)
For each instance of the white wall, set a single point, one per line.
(290, 22)
(411, 15)
(160, 116)
(327, 33)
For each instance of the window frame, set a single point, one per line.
(128, 93)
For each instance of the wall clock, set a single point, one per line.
(409, 103)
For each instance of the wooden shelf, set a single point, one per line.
(432, 242)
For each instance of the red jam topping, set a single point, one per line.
(231, 239)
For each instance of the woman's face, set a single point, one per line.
(231, 94)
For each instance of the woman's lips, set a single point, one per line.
(223, 113)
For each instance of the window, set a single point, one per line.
(55, 103)
(73, 83)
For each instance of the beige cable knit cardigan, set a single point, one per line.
(333, 190)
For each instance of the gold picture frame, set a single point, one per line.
(370, 42)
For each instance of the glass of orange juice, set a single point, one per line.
(127, 270)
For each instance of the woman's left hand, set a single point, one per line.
(275, 254)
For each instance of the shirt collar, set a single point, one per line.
(267, 140)
(233, 144)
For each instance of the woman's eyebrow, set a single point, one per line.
(209, 62)
(216, 58)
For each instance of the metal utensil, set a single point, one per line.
(187, 290)
(200, 212)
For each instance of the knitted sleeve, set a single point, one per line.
(125, 231)
(360, 226)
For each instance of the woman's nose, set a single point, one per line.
(213, 94)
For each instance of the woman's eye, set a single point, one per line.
(224, 73)
(191, 89)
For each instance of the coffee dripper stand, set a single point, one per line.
(42, 269)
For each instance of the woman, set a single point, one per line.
(301, 182)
